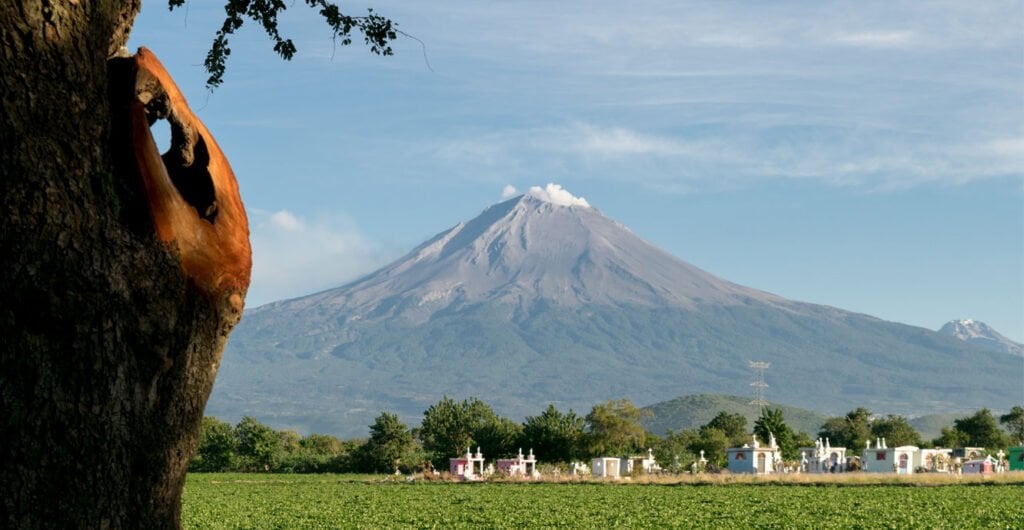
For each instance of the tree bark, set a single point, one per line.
(108, 346)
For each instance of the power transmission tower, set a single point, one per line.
(760, 385)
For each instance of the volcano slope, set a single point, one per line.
(533, 303)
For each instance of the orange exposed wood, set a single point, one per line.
(214, 248)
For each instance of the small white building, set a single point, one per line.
(468, 466)
(935, 460)
(980, 466)
(969, 453)
(520, 466)
(605, 467)
(608, 466)
(752, 458)
(579, 469)
(643, 464)
(822, 458)
(884, 459)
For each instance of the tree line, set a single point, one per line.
(613, 428)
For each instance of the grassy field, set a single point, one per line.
(348, 501)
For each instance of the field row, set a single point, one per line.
(270, 501)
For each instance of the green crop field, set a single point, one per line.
(345, 501)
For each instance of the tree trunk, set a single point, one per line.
(108, 346)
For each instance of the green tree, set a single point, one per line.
(321, 444)
(674, 451)
(259, 446)
(1014, 424)
(771, 422)
(494, 435)
(316, 453)
(448, 427)
(389, 442)
(713, 442)
(554, 437)
(321, 453)
(499, 437)
(725, 430)
(109, 347)
(982, 430)
(896, 431)
(613, 428)
(350, 459)
(217, 446)
(444, 431)
(801, 439)
(851, 431)
(733, 425)
(291, 442)
(951, 437)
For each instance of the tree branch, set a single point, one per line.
(377, 31)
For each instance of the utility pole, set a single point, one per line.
(759, 384)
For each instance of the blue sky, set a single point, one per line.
(865, 155)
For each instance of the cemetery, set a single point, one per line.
(757, 459)
(470, 466)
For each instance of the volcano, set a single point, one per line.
(535, 302)
(982, 335)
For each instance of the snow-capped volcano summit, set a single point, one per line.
(981, 334)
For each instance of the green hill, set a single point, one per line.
(690, 412)
(930, 426)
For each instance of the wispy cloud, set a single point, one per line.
(876, 39)
(286, 221)
(871, 160)
(1012, 148)
(692, 96)
(876, 95)
(603, 30)
(293, 256)
(619, 141)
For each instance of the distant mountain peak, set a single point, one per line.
(551, 249)
(981, 334)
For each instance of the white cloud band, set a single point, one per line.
(556, 194)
